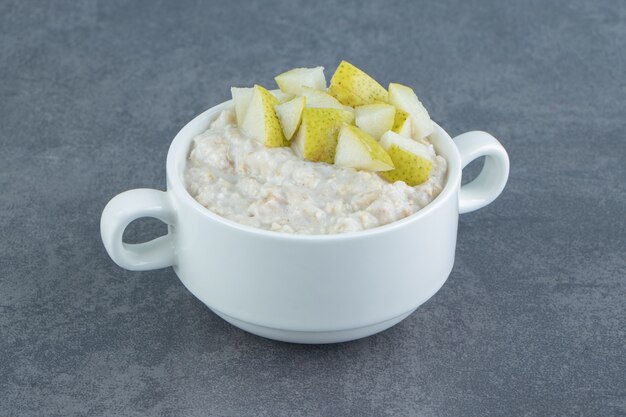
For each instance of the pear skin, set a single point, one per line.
(402, 124)
(353, 87)
(261, 122)
(411, 159)
(317, 137)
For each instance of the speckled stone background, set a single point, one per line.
(532, 319)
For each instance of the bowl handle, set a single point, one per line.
(491, 181)
(123, 209)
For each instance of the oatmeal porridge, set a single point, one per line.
(273, 188)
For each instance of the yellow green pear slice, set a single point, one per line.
(261, 122)
(412, 160)
(402, 124)
(353, 87)
(321, 99)
(292, 81)
(375, 119)
(357, 149)
(290, 115)
(241, 101)
(317, 137)
(243, 95)
(404, 98)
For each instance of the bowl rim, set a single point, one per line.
(177, 157)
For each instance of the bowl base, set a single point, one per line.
(321, 337)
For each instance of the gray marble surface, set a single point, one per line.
(532, 319)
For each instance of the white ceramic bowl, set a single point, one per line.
(298, 288)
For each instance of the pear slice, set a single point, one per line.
(292, 81)
(353, 87)
(357, 149)
(282, 97)
(241, 100)
(243, 95)
(290, 115)
(404, 98)
(261, 122)
(412, 160)
(317, 137)
(321, 99)
(402, 124)
(375, 119)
